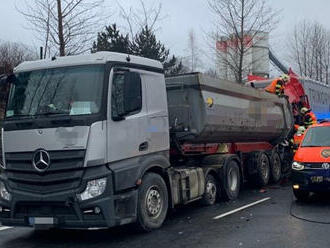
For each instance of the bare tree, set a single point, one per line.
(65, 27)
(211, 73)
(193, 50)
(11, 54)
(144, 16)
(239, 24)
(310, 50)
(326, 59)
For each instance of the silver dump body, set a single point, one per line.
(207, 110)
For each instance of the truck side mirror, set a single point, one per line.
(132, 92)
(4, 79)
(11, 79)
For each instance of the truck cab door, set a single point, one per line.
(127, 115)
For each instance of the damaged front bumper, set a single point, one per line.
(312, 180)
(63, 209)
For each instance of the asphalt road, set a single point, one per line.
(268, 224)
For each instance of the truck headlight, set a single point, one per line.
(4, 194)
(93, 189)
(297, 166)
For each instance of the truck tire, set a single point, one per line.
(301, 195)
(232, 180)
(263, 170)
(152, 203)
(275, 167)
(211, 191)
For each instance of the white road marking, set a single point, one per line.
(241, 208)
(2, 228)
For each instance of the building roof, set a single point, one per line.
(94, 58)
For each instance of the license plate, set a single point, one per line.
(317, 179)
(41, 221)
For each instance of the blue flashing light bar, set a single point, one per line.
(323, 116)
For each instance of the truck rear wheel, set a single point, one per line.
(211, 191)
(263, 170)
(152, 202)
(232, 181)
(276, 167)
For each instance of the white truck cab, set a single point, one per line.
(76, 129)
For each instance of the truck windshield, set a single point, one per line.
(59, 91)
(316, 137)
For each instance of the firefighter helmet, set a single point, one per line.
(304, 110)
(301, 130)
(285, 78)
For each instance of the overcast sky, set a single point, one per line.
(180, 17)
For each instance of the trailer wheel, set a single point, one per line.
(152, 202)
(263, 170)
(211, 191)
(232, 181)
(276, 167)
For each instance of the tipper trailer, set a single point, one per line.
(104, 139)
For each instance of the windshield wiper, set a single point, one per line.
(18, 116)
(49, 110)
(51, 113)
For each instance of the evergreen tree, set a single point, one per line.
(145, 44)
(173, 66)
(112, 40)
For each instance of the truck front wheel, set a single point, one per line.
(152, 202)
(211, 191)
(232, 181)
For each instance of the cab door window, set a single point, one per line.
(126, 95)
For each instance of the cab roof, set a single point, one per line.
(94, 58)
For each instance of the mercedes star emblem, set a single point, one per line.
(41, 160)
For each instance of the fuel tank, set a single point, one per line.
(208, 110)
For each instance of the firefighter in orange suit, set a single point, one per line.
(277, 86)
(297, 138)
(309, 117)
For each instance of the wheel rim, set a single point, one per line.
(211, 190)
(233, 179)
(154, 202)
(264, 168)
(276, 166)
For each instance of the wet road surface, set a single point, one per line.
(257, 219)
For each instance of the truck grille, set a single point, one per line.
(314, 165)
(40, 209)
(65, 171)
